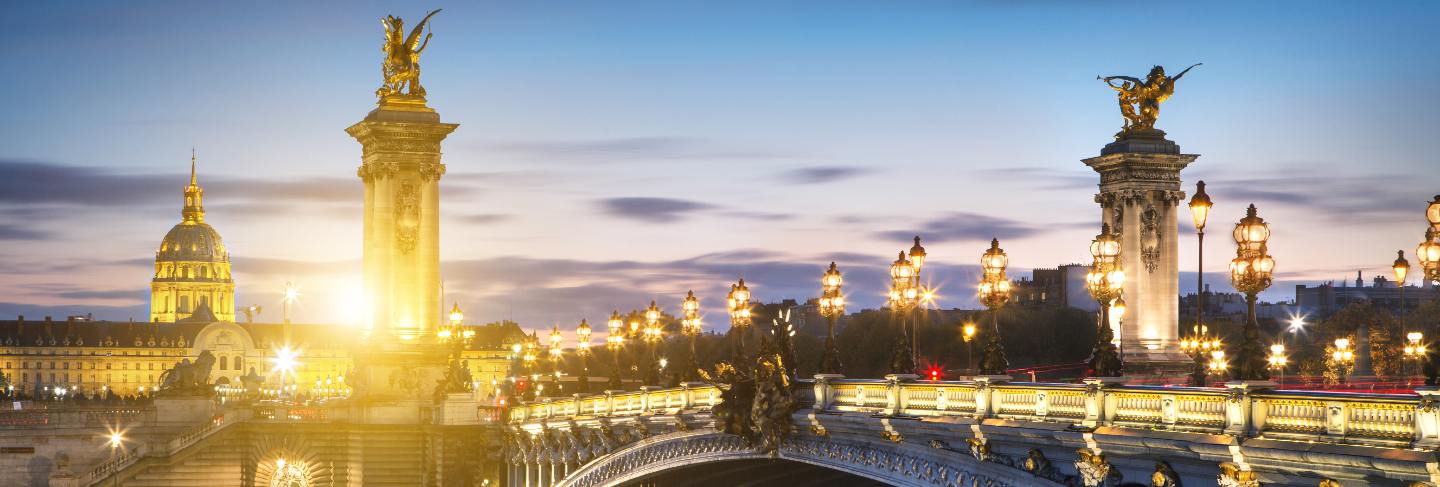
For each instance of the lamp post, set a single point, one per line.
(1251, 271)
(1401, 267)
(1200, 205)
(1415, 349)
(690, 326)
(582, 351)
(917, 259)
(994, 293)
(904, 297)
(652, 341)
(967, 331)
(556, 353)
(529, 358)
(1343, 357)
(615, 342)
(1218, 364)
(1428, 252)
(1105, 281)
(1199, 345)
(832, 307)
(1277, 360)
(738, 303)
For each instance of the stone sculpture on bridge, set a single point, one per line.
(187, 378)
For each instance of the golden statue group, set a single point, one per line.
(1140, 99)
(401, 68)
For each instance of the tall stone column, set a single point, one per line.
(1139, 197)
(401, 170)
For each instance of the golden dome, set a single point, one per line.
(192, 241)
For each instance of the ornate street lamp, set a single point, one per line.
(1343, 358)
(738, 304)
(690, 326)
(905, 296)
(1218, 364)
(967, 331)
(1432, 213)
(1200, 205)
(652, 341)
(1105, 281)
(1402, 271)
(615, 342)
(556, 353)
(1277, 360)
(1415, 349)
(582, 351)
(1199, 346)
(832, 307)
(917, 259)
(1251, 271)
(994, 293)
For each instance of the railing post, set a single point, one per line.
(684, 396)
(644, 399)
(1240, 407)
(1098, 411)
(824, 393)
(609, 402)
(1427, 418)
(985, 394)
(1336, 421)
(575, 399)
(549, 407)
(894, 402)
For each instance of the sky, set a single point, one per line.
(610, 153)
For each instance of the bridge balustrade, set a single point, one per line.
(1346, 418)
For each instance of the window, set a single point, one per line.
(238, 362)
(224, 363)
(108, 365)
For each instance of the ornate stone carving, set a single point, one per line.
(979, 448)
(1164, 476)
(1095, 470)
(1231, 475)
(431, 171)
(407, 216)
(892, 435)
(1150, 237)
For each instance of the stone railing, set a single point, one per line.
(194, 435)
(648, 400)
(68, 417)
(1406, 420)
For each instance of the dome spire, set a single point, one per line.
(194, 210)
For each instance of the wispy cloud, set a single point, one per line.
(14, 232)
(651, 210)
(626, 149)
(822, 174)
(965, 226)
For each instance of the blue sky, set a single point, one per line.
(610, 153)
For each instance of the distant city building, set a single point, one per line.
(1324, 300)
(1063, 286)
(1233, 304)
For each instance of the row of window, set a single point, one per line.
(64, 378)
(93, 365)
(108, 353)
(188, 272)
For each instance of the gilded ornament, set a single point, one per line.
(1140, 99)
(401, 67)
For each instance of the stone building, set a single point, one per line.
(1325, 299)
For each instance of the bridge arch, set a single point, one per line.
(892, 463)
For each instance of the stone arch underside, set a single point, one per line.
(892, 463)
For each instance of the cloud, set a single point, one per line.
(964, 226)
(31, 183)
(821, 174)
(651, 210)
(482, 218)
(625, 149)
(759, 215)
(12, 232)
(137, 295)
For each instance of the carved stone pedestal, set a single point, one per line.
(395, 383)
(1139, 197)
(184, 410)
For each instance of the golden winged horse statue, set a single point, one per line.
(401, 68)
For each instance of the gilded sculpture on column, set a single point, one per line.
(401, 68)
(1140, 99)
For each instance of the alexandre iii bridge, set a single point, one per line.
(414, 419)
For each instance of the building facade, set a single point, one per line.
(1324, 300)
(129, 357)
(1062, 286)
